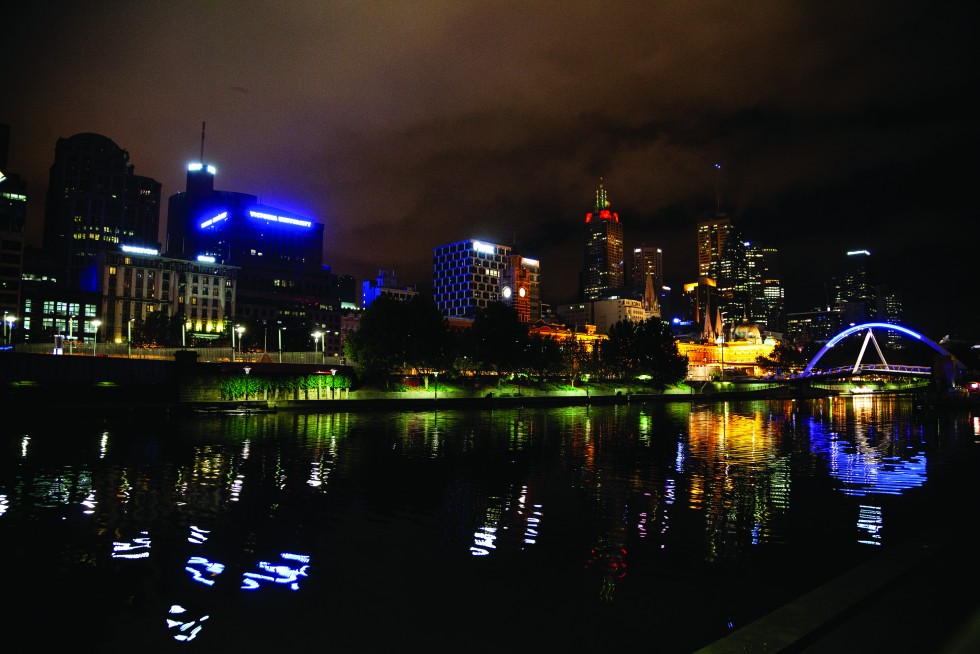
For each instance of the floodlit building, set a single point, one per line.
(135, 282)
(520, 286)
(602, 266)
(601, 314)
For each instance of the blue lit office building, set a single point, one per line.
(282, 278)
(466, 276)
(235, 229)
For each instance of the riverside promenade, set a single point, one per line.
(28, 379)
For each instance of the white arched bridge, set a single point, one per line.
(859, 368)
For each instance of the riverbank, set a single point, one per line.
(39, 382)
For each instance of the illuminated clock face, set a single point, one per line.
(522, 292)
(506, 292)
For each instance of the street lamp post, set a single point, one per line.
(435, 386)
(333, 383)
(316, 340)
(129, 338)
(240, 330)
(280, 342)
(8, 328)
(95, 343)
(721, 344)
(71, 343)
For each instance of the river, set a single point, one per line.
(648, 527)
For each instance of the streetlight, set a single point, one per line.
(71, 342)
(95, 343)
(435, 386)
(721, 343)
(316, 339)
(8, 327)
(129, 338)
(333, 382)
(280, 342)
(240, 330)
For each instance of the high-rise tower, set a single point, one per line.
(95, 202)
(13, 223)
(603, 263)
(713, 234)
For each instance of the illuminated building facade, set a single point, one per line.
(765, 289)
(585, 339)
(712, 237)
(466, 276)
(50, 310)
(520, 287)
(602, 314)
(816, 326)
(737, 354)
(282, 279)
(135, 282)
(854, 291)
(234, 229)
(603, 262)
(95, 203)
(648, 260)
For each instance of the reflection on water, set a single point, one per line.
(601, 525)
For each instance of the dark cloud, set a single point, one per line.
(402, 126)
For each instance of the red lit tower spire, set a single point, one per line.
(603, 262)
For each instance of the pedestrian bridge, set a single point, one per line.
(860, 368)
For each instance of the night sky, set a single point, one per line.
(405, 125)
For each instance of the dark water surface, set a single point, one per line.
(655, 528)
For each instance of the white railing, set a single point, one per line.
(204, 354)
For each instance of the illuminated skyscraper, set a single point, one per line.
(713, 235)
(854, 291)
(648, 259)
(603, 263)
(765, 296)
(95, 203)
(13, 223)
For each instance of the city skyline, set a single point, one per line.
(403, 127)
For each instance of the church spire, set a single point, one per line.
(650, 302)
(708, 331)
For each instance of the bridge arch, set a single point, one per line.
(871, 325)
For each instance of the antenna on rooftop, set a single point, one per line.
(718, 188)
(202, 140)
